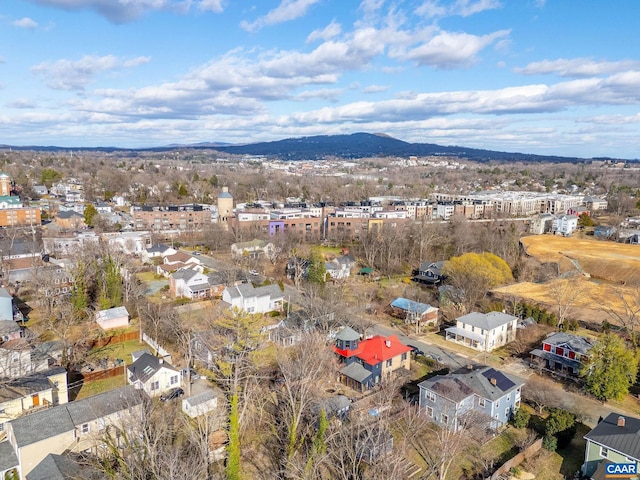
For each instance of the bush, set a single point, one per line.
(515, 471)
(521, 418)
(550, 443)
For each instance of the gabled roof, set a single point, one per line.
(435, 267)
(159, 248)
(246, 290)
(486, 321)
(112, 313)
(356, 372)
(146, 367)
(458, 386)
(8, 459)
(184, 273)
(574, 342)
(625, 440)
(64, 418)
(69, 214)
(179, 257)
(411, 306)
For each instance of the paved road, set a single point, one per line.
(452, 359)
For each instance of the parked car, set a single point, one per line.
(254, 272)
(435, 357)
(195, 252)
(415, 350)
(172, 394)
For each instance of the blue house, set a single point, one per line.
(483, 396)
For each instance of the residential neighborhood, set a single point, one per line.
(119, 314)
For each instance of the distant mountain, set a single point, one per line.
(356, 145)
(363, 145)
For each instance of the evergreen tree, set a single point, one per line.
(612, 368)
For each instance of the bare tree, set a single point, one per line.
(541, 393)
(565, 294)
(627, 314)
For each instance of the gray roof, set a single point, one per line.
(201, 398)
(433, 266)
(64, 418)
(8, 327)
(184, 274)
(458, 386)
(347, 334)
(356, 372)
(486, 321)
(69, 214)
(34, 383)
(625, 440)
(575, 342)
(62, 467)
(159, 248)
(112, 313)
(4, 293)
(146, 366)
(225, 195)
(8, 459)
(246, 290)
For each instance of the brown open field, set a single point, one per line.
(614, 270)
(615, 262)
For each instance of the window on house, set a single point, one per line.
(506, 412)
(430, 412)
(404, 356)
(389, 362)
(85, 428)
(2, 427)
(498, 404)
(444, 419)
(604, 452)
(482, 402)
(155, 385)
(174, 379)
(430, 396)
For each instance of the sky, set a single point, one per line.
(554, 77)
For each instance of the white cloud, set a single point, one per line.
(21, 103)
(25, 22)
(462, 8)
(451, 50)
(287, 10)
(329, 94)
(76, 75)
(211, 6)
(123, 11)
(577, 67)
(375, 89)
(327, 33)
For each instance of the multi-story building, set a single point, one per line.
(13, 213)
(370, 361)
(562, 353)
(471, 397)
(615, 440)
(175, 217)
(483, 331)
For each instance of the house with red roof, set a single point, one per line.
(370, 361)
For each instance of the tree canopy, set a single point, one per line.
(476, 274)
(612, 368)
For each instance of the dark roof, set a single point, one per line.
(63, 467)
(435, 267)
(458, 386)
(625, 440)
(410, 306)
(64, 418)
(8, 459)
(575, 342)
(356, 372)
(69, 214)
(146, 366)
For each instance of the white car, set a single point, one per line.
(254, 272)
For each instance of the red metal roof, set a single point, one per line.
(375, 350)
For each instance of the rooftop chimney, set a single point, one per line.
(387, 343)
(621, 421)
(493, 381)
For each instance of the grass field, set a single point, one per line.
(121, 350)
(611, 267)
(98, 386)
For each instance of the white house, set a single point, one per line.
(200, 404)
(131, 243)
(152, 374)
(340, 267)
(113, 318)
(249, 299)
(565, 224)
(172, 263)
(253, 249)
(157, 251)
(483, 331)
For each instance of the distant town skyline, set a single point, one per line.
(534, 76)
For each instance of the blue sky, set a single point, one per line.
(550, 77)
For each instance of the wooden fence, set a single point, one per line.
(122, 337)
(517, 460)
(102, 374)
